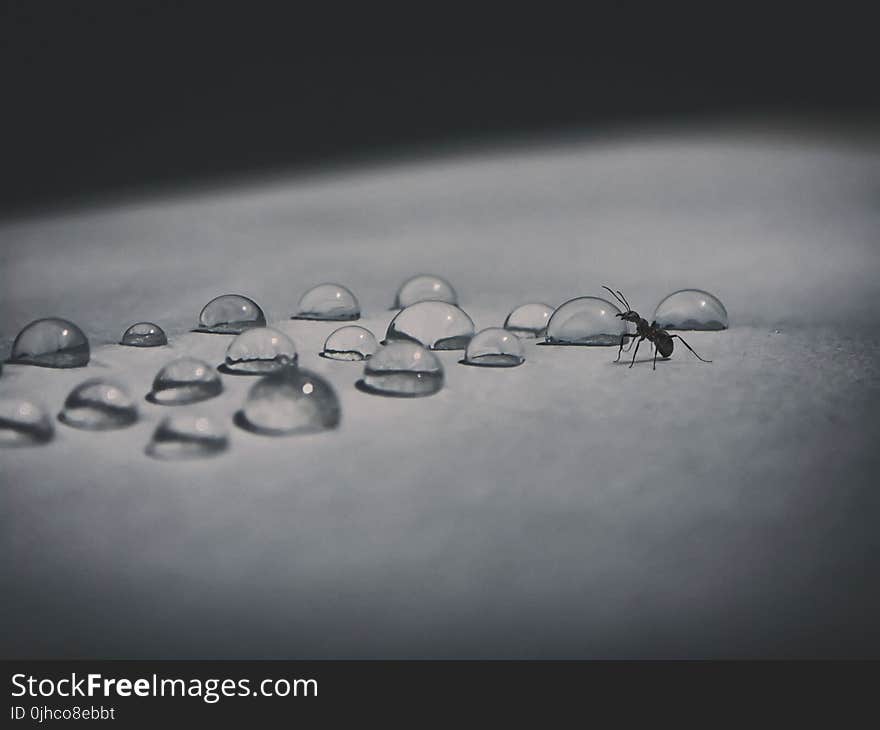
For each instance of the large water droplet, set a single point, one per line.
(402, 369)
(51, 343)
(99, 405)
(260, 351)
(691, 309)
(437, 325)
(350, 343)
(230, 314)
(24, 423)
(425, 288)
(288, 402)
(332, 302)
(494, 347)
(144, 334)
(586, 321)
(188, 436)
(529, 320)
(186, 380)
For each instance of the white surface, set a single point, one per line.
(566, 507)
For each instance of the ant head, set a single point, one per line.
(627, 314)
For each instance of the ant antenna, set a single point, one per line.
(623, 302)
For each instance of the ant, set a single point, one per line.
(660, 338)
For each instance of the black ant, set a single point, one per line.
(660, 338)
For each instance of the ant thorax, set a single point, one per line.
(643, 327)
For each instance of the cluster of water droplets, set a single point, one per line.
(288, 399)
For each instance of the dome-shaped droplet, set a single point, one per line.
(99, 405)
(188, 436)
(290, 401)
(350, 343)
(144, 334)
(436, 325)
(331, 302)
(24, 423)
(230, 314)
(494, 347)
(260, 351)
(402, 369)
(51, 343)
(529, 320)
(183, 381)
(425, 288)
(586, 321)
(691, 309)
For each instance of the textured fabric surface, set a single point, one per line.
(568, 507)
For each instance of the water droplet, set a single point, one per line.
(529, 320)
(691, 309)
(98, 405)
(402, 369)
(425, 288)
(350, 343)
(51, 343)
(183, 381)
(331, 302)
(230, 314)
(144, 334)
(437, 325)
(24, 423)
(260, 351)
(188, 436)
(494, 347)
(586, 321)
(290, 401)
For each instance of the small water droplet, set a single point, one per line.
(259, 351)
(144, 334)
(291, 401)
(529, 320)
(51, 343)
(24, 422)
(350, 343)
(230, 314)
(585, 321)
(436, 325)
(494, 347)
(328, 302)
(425, 288)
(186, 380)
(188, 436)
(402, 369)
(691, 309)
(98, 405)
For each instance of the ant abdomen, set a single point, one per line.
(664, 344)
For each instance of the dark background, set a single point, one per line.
(104, 98)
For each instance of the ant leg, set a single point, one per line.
(622, 339)
(636, 352)
(655, 356)
(691, 348)
(620, 349)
